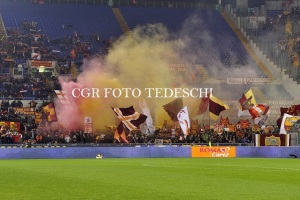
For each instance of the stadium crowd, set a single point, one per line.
(29, 43)
(32, 135)
(279, 37)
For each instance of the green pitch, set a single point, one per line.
(151, 178)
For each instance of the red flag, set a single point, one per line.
(258, 110)
(173, 108)
(243, 99)
(224, 121)
(245, 123)
(216, 106)
(203, 105)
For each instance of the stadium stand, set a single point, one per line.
(66, 33)
(62, 20)
(207, 23)
(276, 35)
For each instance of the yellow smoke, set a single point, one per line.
(137, 61)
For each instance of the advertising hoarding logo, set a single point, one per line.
(213, 152)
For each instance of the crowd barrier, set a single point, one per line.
(168, 151)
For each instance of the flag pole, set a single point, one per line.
(208, 111)
(209, 124)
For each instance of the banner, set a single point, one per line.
(25, 111)
(272, 140)
(88, 125)
(287, 123)
(39, 63)
(5, 124)
(38, 118)
(213, 152)
(184, 120)
(12, 125)
(241, 81)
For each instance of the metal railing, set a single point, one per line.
(141, 3)
(59, 145)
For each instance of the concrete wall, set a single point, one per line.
(137, 152)
(91, 152)
(267, 152)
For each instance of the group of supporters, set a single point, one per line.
(36, 86)
(39, 136)
(29, 42)
(45, 136)
(281, 42)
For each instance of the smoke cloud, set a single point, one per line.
(142, 60)
(137, 61)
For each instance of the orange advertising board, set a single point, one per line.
(211, 152)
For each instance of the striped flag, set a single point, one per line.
(258, 110)
(49, 110)
(120, 135)
(216, 106)
(129, 117)
(260, 114)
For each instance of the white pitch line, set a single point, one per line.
(258, 167)
(149, 165)
(233, 167)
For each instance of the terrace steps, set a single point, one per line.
(250, 51)
(122, 22)
(3, 34)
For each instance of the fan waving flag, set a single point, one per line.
(216, 106)
(64, 99)
(49, 110)
(287, 123)
(247, 100)
(260, 114)
(173, 108)
(120, 135)
(292, 110)
(149, 127)
(203, 105)
(184, 120)
(129, 117)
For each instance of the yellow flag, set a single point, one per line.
(248, 95)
